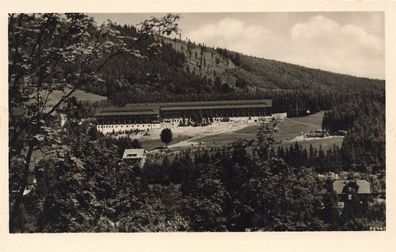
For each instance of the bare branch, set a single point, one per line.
(60, 101)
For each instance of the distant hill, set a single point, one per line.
(247, 71)
(186, 71)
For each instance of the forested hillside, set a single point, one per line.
(243, 71)
(185, 71)
(364, 119)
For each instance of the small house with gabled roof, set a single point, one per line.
(352, 189)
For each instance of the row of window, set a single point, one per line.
(122, 126)
(127, 122)
(226, 114)
(179, 120)
(172, 120)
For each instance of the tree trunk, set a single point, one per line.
(15, 212)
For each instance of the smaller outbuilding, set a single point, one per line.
(349, 190)
(134, 156)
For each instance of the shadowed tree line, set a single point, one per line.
(363, 117)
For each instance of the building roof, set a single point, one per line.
(121, 113)
(155, 108)
(133, 154)
(225, 106)
(142, 110)
(363, 186)
(130, 108)
(266, 102)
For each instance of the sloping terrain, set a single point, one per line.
(241, 70)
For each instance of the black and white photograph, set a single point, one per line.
(136, 122)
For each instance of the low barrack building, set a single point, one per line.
(150, 115)
(128, 119)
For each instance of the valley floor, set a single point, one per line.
(219, 134)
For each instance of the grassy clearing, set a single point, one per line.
(250, 130)
(293, 127)
(81, 95)
(151, 144)
(222, 139)
(286, 131)
(314, 120)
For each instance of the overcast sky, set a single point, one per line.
(344, 42)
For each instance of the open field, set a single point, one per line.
(151, 144)
(293, 127)
(81, 95)
(220, 134)
(187, 137)
(286, 131)
(247, 133)
(250, 130)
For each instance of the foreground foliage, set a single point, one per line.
(237, 188)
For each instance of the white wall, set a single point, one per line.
(126, 127)
(279, 115)
(172, 123)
